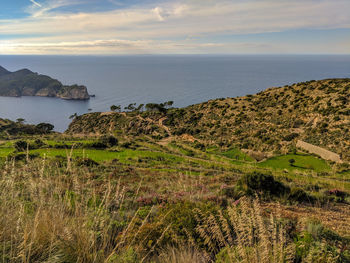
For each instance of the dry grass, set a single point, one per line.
(184, 254)
(50, 216)
(65, 214)
(335, 217)
(246, 235)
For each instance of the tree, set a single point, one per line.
(169, 103)
(116, 108)
(155, 107)
(73, 116)
(140, 107)
(131, 107)
(45, 127)
(20, 120)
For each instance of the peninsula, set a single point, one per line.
(27, 83)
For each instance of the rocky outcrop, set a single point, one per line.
(27, 83)
(74, 93)
(45, 92)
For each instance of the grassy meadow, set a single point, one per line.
(75, 200)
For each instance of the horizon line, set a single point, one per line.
(188, 54)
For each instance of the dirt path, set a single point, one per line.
(160, 123)
(166, 141)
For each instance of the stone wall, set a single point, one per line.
(323, 153)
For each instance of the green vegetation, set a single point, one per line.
(173, 185)
(301, 162)
(236, 154)
(271, 121)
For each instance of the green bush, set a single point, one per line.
(319, 244)
(299, 195)
(257, 182)
(86, 162)
(21, 145)
(110, 141)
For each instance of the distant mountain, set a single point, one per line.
(27, 83)
(272, 121)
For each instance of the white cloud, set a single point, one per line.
(120, 46)
(186, 19)
(35, 3)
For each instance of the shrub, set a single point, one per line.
(96, 145)
(38, 143)
(319, 244)
(110, 141)
(257, 182)
(299, 195)
(291, 137)
(23, 156)
(21, 145)
(86, 162)
(338, 194)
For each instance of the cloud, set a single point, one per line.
(121, 46)
(35, 3)
(175, 25)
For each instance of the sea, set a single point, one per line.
(184, 79)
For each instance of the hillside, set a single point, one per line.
(198, 183)
(10, 128)
(265, 124)
(27, 83)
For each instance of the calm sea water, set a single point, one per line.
(142, 79)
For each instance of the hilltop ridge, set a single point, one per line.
(269, 122)
(27, 83)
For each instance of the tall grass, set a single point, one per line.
(54, 213)
(47, 215)
(246, 235)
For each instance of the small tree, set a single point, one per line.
(20, 120)
(73, 116)
(140, 107)
(116, 108)
(131, 107)
(45, 127)
(169, 103)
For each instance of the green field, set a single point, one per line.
(5, 151)
(238, 155)
(176, 154)
(302, 162)
(104, 155)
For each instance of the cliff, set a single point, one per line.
(272, 121)
(27, 83)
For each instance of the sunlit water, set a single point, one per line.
(142, 79)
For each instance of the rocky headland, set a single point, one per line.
(27, 83)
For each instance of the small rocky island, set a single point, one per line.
(27, 83)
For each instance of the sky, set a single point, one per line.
(105, 27)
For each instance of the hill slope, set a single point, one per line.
(27, 83)
(317, 112)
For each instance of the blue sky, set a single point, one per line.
(175, 27)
